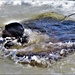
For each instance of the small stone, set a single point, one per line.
(8, 44)
(63, 52)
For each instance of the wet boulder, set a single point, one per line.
(13, 30)
(8, 44)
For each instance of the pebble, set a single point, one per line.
(63, 52)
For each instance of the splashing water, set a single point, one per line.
(49, 40)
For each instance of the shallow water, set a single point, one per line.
(58, 32)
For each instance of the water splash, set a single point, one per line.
(47, 54)
(48, 42)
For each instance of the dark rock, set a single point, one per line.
(13, 30)
(23, 40)
(1, 41)
(20, 55)
(8, 44)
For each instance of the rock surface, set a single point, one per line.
(13, 30)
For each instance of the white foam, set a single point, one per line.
(38, 59)
(35, 37)
(64, 7)
(35, 58)
(11, 21)
(1, 38)
(37, 2)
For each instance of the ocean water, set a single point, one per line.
(61, 34)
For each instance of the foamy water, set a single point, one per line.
(11, 11)
(56, 4)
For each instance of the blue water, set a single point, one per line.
(63, 31)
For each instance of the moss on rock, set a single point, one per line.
(49, 15)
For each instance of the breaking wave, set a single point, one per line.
(40, 55)
(49, 41)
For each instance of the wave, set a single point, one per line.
(58, 6)
(40, 51)
(38, 2)
(59, 49)
(42, 59)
